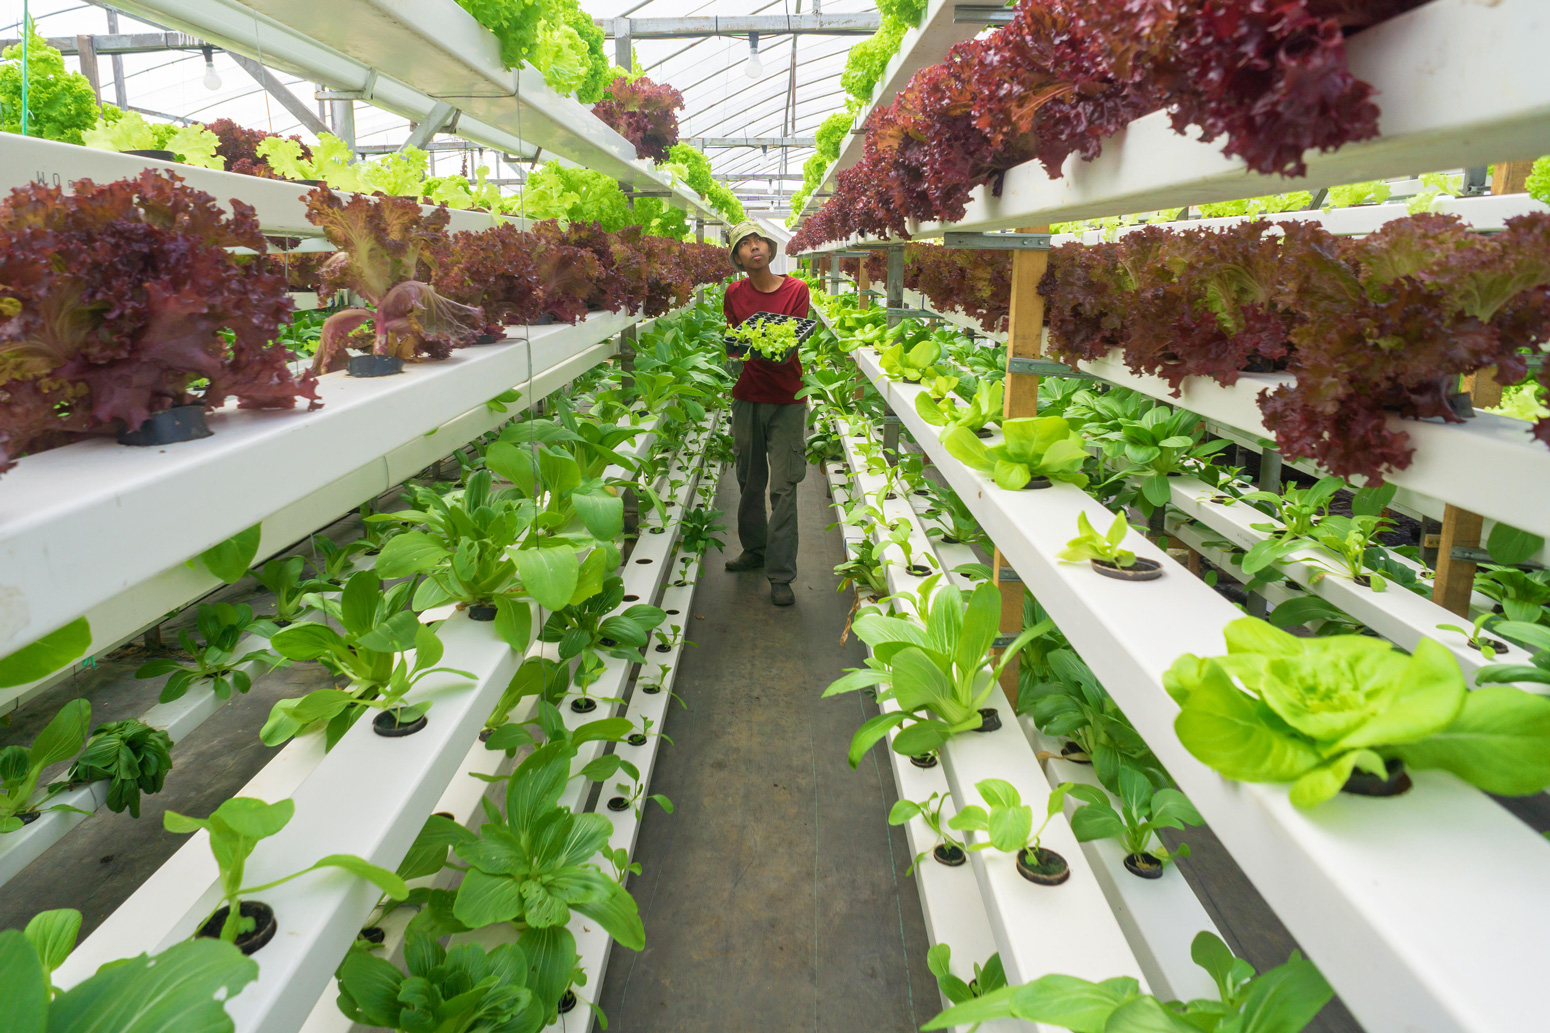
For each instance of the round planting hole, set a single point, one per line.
(568, 1002)
(651, 690)
(919, 569)
(1044, 867)
(387, 724)
(1141, 569)
(664, 648)
(263, 930)
(607, 642)
(28, 817)
(481, 612)
(1495, 643)
(644, 560)
(632, 598)
(638, 739)
(671, 613)
(983, 432)
(891, 496)
(989, 720)
(952, 856)
(1363, 784)
(618, 803)
(1035, 483)
(1145, 865)
(924, 760)
(373, 934)
(658, 530)
(583, 705)
(444, 814)
(948, 539)
(922, 491)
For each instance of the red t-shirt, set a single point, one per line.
(764, 381)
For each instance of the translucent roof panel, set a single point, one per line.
(719, 98)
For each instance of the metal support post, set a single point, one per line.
(895, 285)
(891, 425)
(622, 49)
(120, 95)
(1269, 471)
(342, 114)
(442, 116)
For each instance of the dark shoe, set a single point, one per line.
(746, 561)
(780, 594)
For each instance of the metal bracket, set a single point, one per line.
(1474, 554)
(1002, 641)
(982, 14)
(1045, 368)
(891, 420)
(1008, 574)
(998, 241)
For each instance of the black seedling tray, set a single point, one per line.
(805, 327)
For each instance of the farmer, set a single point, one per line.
(767, 420)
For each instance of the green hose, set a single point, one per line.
(26, 36)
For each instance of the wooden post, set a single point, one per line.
(86, 50)
(1024, 340)
(863, 283)
(1455, 579)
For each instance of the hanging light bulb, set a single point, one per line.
(211, 80)
(755, 68)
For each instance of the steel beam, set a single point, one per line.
(442, 116)
(703, 142)
(770, 25)
(122, 43)
(276, 89)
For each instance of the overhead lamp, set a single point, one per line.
(754, 68)
(211, 80)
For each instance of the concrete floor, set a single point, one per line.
(774, 898)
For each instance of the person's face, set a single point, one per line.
(753, 252)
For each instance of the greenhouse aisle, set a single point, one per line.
(774, 898)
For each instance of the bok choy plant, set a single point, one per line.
(1037, 446)
(936, 674)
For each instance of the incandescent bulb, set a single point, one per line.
(755, 68)
(211, 80)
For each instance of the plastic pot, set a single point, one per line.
(388, 725)
(151, 152)
(618, 803)
(919, 569)
(373, 934)
(567, 1001)
(924, 760)
(168, 427)
(983, 432)
(651, 690)
(1362, 784)
(1495, 643)
(952, 856)
(1035, 483)
(990, 720)
(1145, 865)
(489, 338)
(375, 365)
(1041, 866)
(1141, 570)
(948, 539)
(264, 925)
(543, 319)
(890, 496)
(638, 739)
(583, 705)
(481, 612)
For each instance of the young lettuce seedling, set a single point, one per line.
(214, 659)
(928, 810)
(235, 829)
(1090, 545)
(21, 767)
(1143, 810)
(988, 978)
(1473, 634)
(1008, 826)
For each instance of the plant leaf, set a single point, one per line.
(46, 655)
(230, 560)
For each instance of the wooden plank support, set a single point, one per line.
(863, 284)
(1024, 340)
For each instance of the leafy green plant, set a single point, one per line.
(1523, 595)
(1037, 446)
(929, 811)
(1162, 443)
(1143, 810)
(531, 867)
(988, 978)
(460, 989)
(936, 674)
(1007, 824)
(912, 364)
(131, 755)
(235, 829)
(60, 103)
(285, 581)
(864, 569)
(375, 630)
(213, 653)
(1090, 545)
(128, 131)
(698, 529)
(1475, 634)
(1311, 711)
(771, 339)
(332, 161)
(185, 987)
(954, 518)
(339, 560)
(21, 767)
(44, 656)
(1351, 540)
(590, 629)
(1534, 637)
(901, 533)
(1299, 509)
(1283, 1000)
(984, 408)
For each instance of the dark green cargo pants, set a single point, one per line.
(769, 443)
